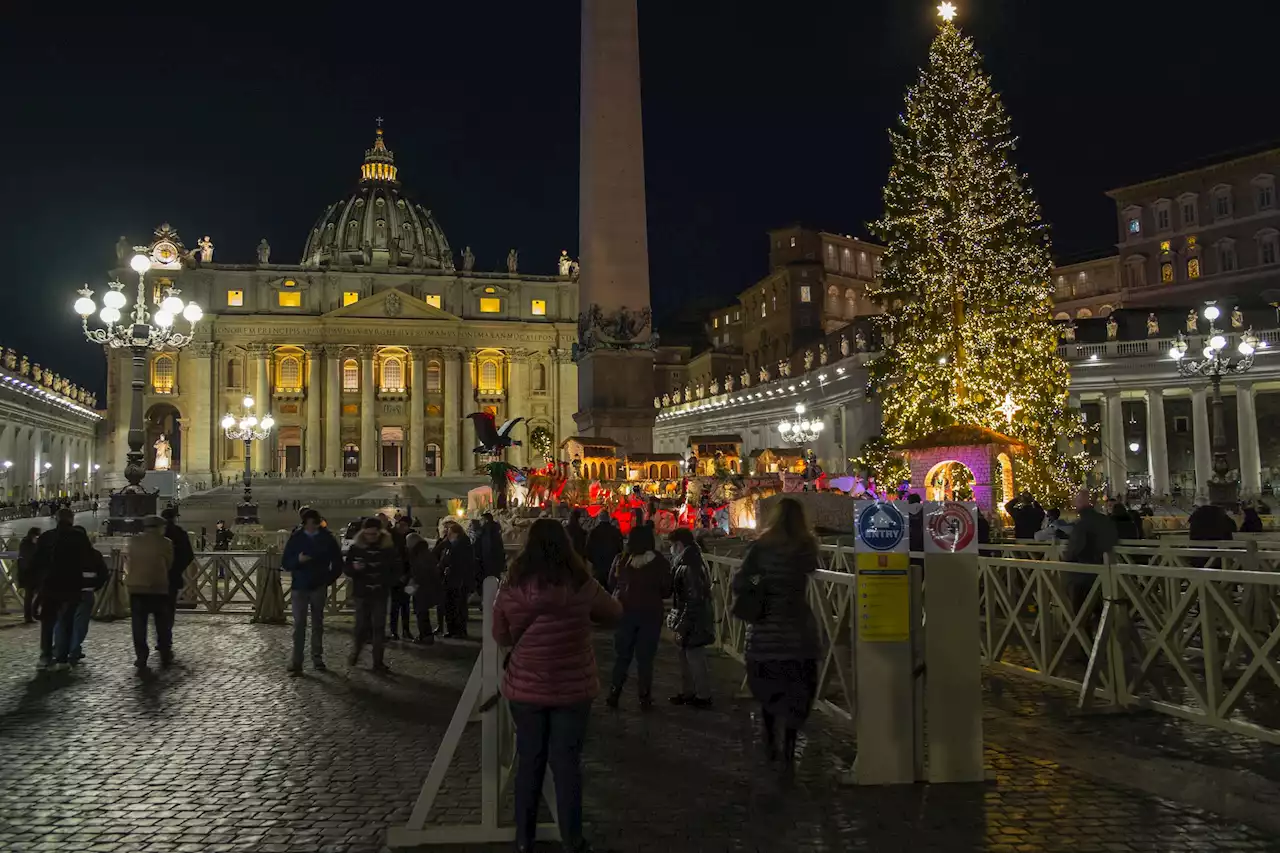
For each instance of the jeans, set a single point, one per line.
(399, 612)
(637, 637)
(371, 620)
(455, 609)
(57, 615)
(695, 679)
(79, 628)
(552, 735)
(301, 602)
(142, 606)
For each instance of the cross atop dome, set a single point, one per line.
(379, 161)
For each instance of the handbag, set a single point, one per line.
(748, 603)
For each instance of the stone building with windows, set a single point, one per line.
(370, 351)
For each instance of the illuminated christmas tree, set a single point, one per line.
(969, 335)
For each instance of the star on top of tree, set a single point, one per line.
(947, 11)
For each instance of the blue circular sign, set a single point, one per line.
(880, 527)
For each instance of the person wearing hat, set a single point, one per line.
(425, 587)
(148, 557)
(314, 559)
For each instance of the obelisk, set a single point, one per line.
(615, 336)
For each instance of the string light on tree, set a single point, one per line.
(967, 265)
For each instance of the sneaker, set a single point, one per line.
(294, 670)
(318, 665)
(681, 699)
(61, 666)
(696, 702)
(44, 663)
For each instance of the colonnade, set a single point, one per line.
(40, 462)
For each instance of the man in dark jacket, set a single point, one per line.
(61, 557)
(399, 602)
(371, 564)
(314, 558)
(1092, 538)
(915, 523)
(93, 578)
(604, 544)
(459, 566)
(1027, 514)
(493, 552)
(183, 555)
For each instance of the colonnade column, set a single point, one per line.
(467, 430)
(333, 411)
(262, 400)
(517, 382)
(566, 403)
(1113, 445)
(452, 462)
(368, 421)
(1157, 443)
(198, 441)
(417, 401)
(1200, 439)
(1250, 455)
(311, 458)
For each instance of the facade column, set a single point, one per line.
(198, 441)
(451, 465)
(467, 429)
(184, 429)
(1200, 439)
(311, 455)
(1250, 455)
(262, 398)
(369, 462)
(1113, 445)
(566, 403)
(517, 385)
(417, 405)
(333, 411)
(1157, 443)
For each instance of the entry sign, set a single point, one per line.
(881, 561)
(950, 527)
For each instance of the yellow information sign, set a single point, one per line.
(884, 598)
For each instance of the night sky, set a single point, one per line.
(757, 114)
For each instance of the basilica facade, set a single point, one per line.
(369, 352)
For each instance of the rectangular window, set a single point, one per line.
(793, 242)
(1181, 424)
(1162, 219)
(1193, 268)
(1166, 272)
(1267, 251)
(290, 299)
(235, 298)
(1222, 205)
(1266, 197)
(715, 322)
(806, 295)
(432, 299)
(726, 319)
(350, 296)
(539, 307)
(1135, 227)
(490, 305)
(1226, 258)
(1188, 213)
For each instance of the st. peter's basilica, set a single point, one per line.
(369, 352)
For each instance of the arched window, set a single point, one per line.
(1084, 314)
(290, 373)
(539, 377)
(350, 375)
(433, 377)
(392, 375)
(664, 471)
(653, 472)
(488, 376)
(235, 378)
(162, 371)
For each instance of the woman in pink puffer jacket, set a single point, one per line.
(544, 613)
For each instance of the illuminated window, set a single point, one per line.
(162, 375)
(432, 299)
(1135, 227)
(488, 376)
(350, 375)
(1193, 268)
(235, 298)
(726, 319)
(539, 307)
(806, 295)
(290, 373)
(490, 305)
(392, 375)
(762, 309)
(290, 300)
(715, 322)
(288, 282)
(1166, 272)
(1164, 246)
(433, 376)
(349, 296)
(831, 256)
(793, 242)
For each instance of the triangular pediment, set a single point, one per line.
(391, 304)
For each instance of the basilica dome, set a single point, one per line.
(377, 225)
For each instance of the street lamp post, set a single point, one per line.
(146, 332)
(247, 429)
(1214, 365)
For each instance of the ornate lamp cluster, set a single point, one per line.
(803, 430)
(1214, 362)
(247, 427)
(148, 330)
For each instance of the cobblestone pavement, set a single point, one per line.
(224, 753)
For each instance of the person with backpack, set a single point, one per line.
(640, 579)
(61, 557)
(94, 577)
(692, 618)
(148, 558)
(314, 560)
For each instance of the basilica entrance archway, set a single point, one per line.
(391, 447)
(350, 460)
(163, 419)
(289, 449)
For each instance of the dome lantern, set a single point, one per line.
(379, 161)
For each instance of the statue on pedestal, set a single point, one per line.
(1237, 318)
(822, 354)
(123, 249)
(513, 262)
(264, 251)
(1192, 320)
(206, 249)
(164, 459)
(746, 378)
(728, 382)
(808, 359)
(468, 259)
(1153, 325)
(714, 389)
(1113, 328)
(844, 345)
(565, 263)
(860, 341)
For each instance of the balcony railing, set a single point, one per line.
(1156, 347)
